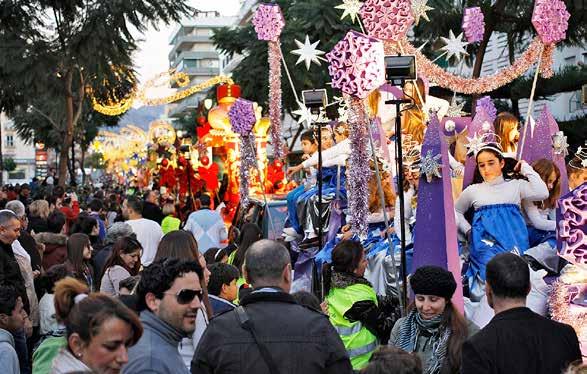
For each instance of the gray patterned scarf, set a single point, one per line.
(414, 326)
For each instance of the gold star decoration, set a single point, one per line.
(350, 8)
(419, 9)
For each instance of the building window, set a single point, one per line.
(585, 57)
(570, 60)
(9, 141)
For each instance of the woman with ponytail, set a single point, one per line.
(99, 329)
(359, 317)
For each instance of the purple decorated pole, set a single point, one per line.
(436, 231)
(481, 124)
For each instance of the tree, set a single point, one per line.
(9, 164)
(54, 53)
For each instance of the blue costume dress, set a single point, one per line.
(498, 225)
(542, 236)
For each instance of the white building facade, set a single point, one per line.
(20, 151)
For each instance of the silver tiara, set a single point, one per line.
(580, 159)
(486, 140)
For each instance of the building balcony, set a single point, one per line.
(184, 42)
(191, 55)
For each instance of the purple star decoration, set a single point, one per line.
(242, 116)
(571, 217)
(473, 24)
(269, 22)
(437, 243)
(551, 20)
(387, 19)
(356, 64)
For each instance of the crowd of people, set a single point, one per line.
(102, 285)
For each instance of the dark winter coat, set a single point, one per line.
(519, 341)
(300, 340)
(153, 212)
(10, 274)
(55, 248)
(37, 224)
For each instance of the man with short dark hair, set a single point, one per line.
(10, 274)
(12, 320)
(96, 207)
(517, 340)
(207, 226)
(169, 295)
(148, 232)
(270, 331)
(151, 209)
(222, 288)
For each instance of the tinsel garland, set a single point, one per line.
(481, 85)
(561, 309)
(275, 98)
(358, 170)
(247, 162)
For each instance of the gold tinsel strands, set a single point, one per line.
(182, 80)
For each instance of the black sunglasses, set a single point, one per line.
(186, 296)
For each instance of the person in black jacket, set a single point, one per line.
(293, 338)
(151, 210)
(9, 271)
(517, 340)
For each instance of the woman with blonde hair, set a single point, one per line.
(38, 214)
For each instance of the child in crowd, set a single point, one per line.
(222, 288)
(170, 222)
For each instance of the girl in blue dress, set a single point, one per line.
(496, 194)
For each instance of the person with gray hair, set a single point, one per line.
(270, 329)
(116, 231)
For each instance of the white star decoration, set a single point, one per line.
(455, 109)
(430, 166)
(419, 9)
(474, 144)
(303, 114)
(308, 52)
(454, 46)
(350, 8)
(559, 143)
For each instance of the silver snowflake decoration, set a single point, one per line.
(560, 145)
(303, 114)
(454, 46)
(455, 109)
(419, 9)
(308, 52)
(350, 8)
(430, 166)
(474, 144)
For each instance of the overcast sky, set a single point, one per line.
(152, 57)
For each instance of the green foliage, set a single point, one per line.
(9, 164)
(94, 160)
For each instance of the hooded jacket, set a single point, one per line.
(157, 350)
(55, 248)
(8, 356)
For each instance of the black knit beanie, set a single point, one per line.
(433, 280)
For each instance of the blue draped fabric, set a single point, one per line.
(292, 215)
(536, 237)
(496, 228)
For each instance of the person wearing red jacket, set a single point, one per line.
(70, 207)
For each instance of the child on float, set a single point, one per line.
(309, 147)
(496, 194)
(506, 127)
(577, 169)
(541, 218)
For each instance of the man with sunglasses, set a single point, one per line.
(169, 295)
(270, 332)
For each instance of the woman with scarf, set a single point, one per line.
(361, 318)
(434, 329)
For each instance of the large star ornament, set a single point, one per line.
(430, 166)
(455, 109)
(350, 8)
(303, 114)
(474, 144)
(454, 46)
(419, 9)
(308, 52)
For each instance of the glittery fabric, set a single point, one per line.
(473, 24)
(242, 116)
(247, 162)
(269, 22)
(551, 20)
(387, 19)
(358, 170)
(275, 98)
(356, 64)
(537, 143)
(564, 291)
(484, 84)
